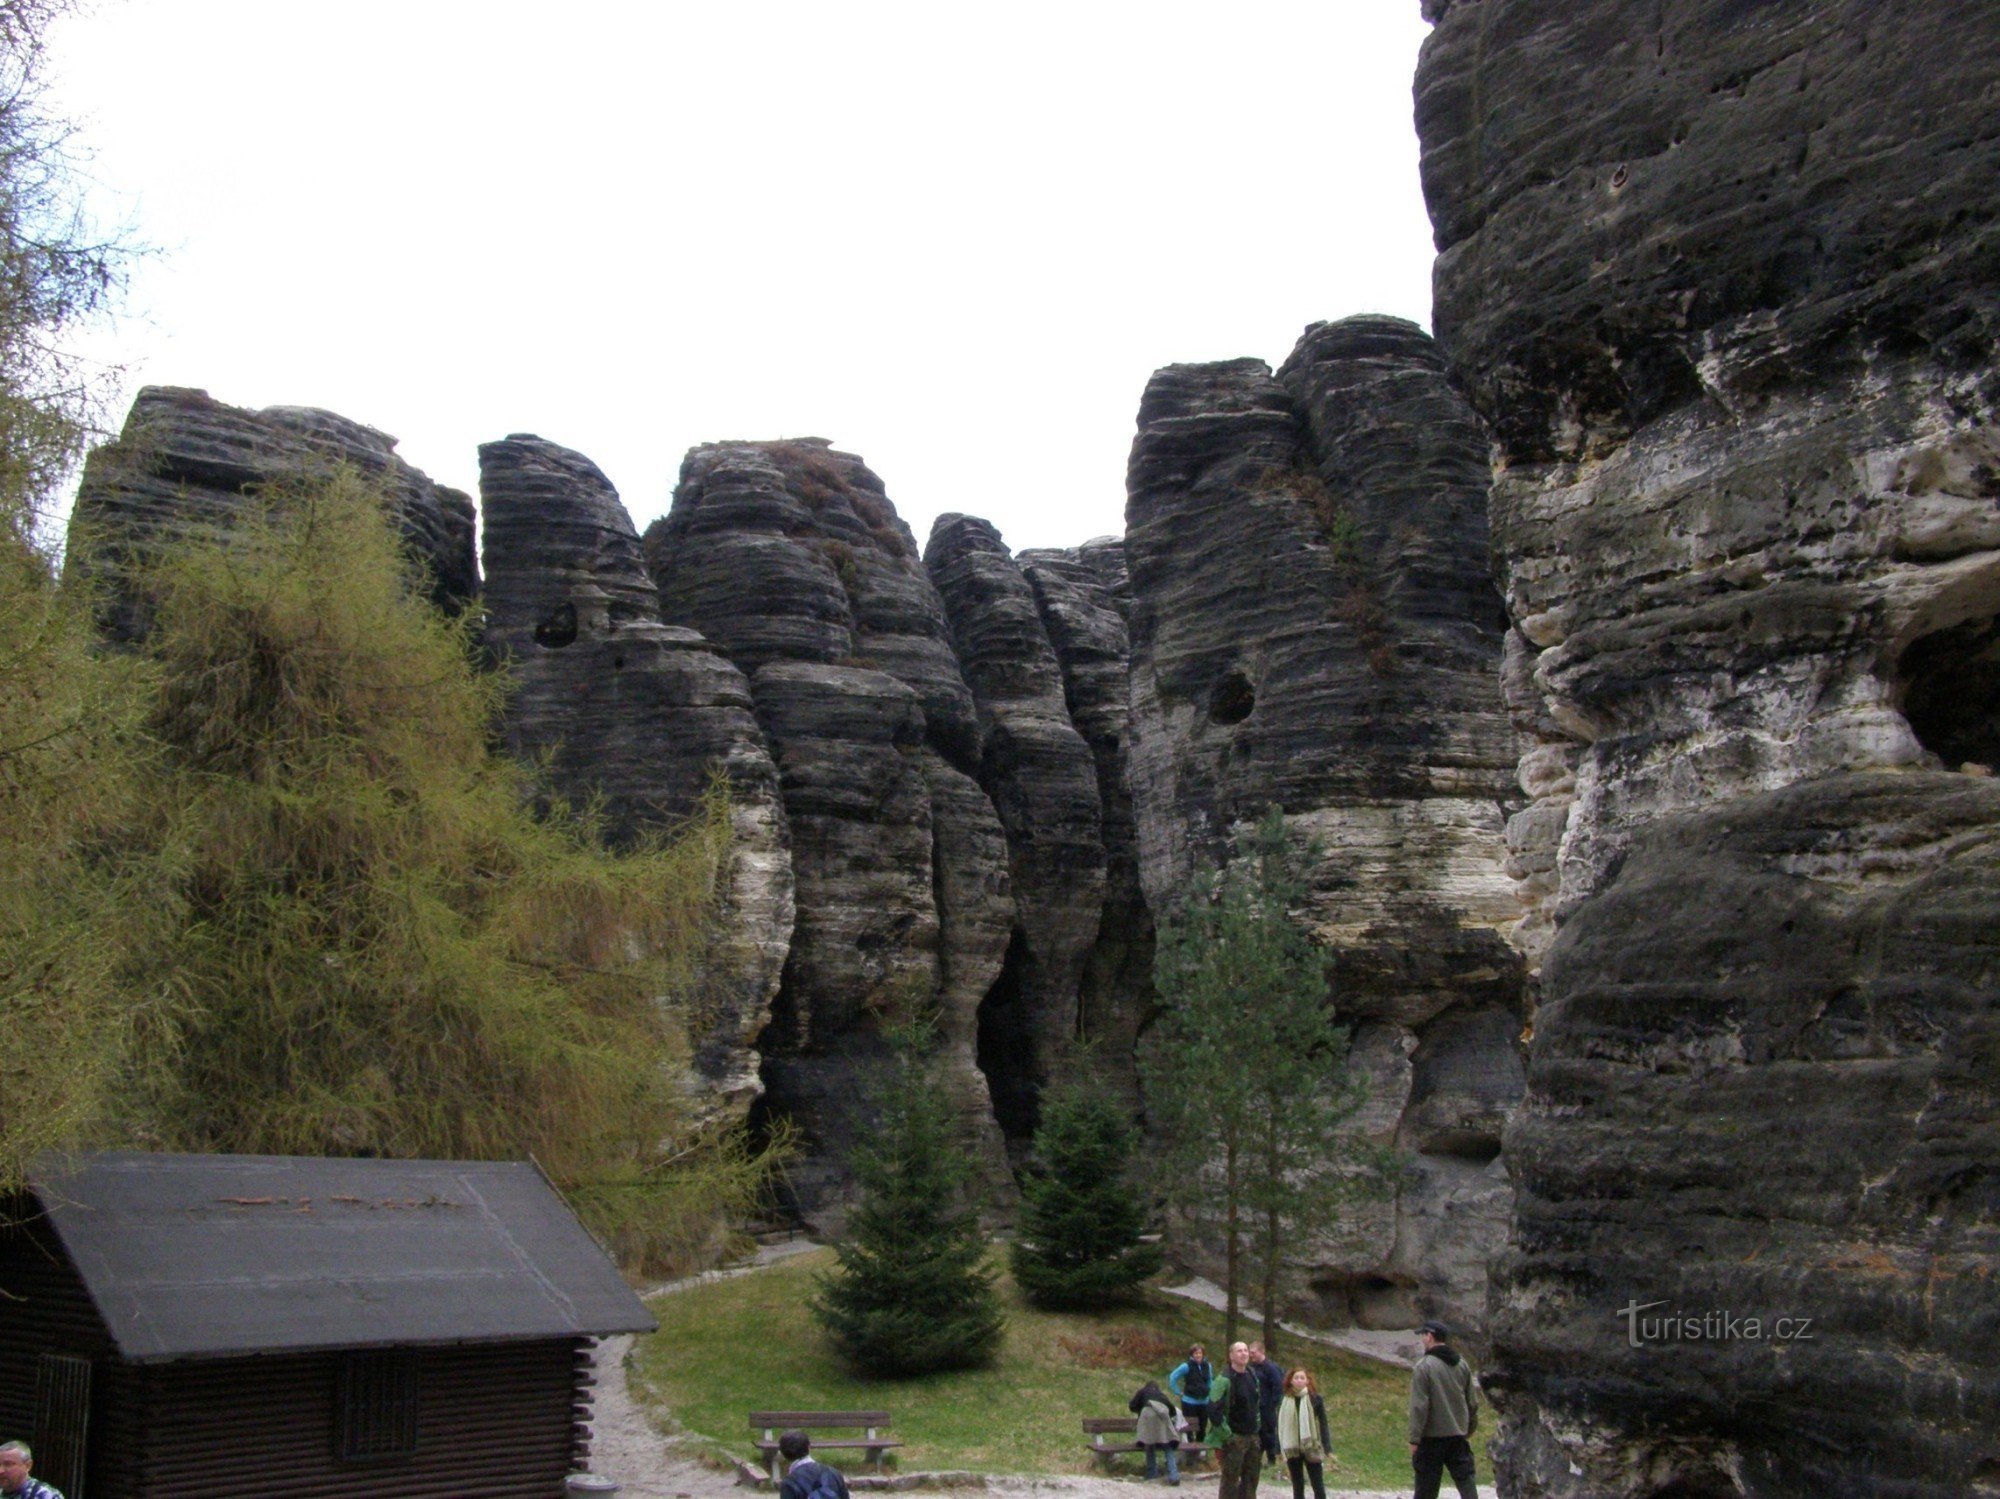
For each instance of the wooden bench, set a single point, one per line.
(870, 1422)
(1098, 1428)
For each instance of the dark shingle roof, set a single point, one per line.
(208, 1255)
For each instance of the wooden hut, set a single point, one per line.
(257, 1326)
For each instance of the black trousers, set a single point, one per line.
(1197, 1414)
(1300, 1468)
(1434, 1456)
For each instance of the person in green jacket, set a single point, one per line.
(1234, 1402)
(1444, 1412)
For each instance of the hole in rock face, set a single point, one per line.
(559, 628)
(1951, 693)
(1231, 700)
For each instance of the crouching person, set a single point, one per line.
(1156, 1430)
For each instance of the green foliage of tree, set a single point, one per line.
(1246, 1075)
(1077, 1244)
(912, 1294)
(79, 895)
(379, 946)
(76, 895)
(56, 272)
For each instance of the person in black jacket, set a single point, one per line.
(1190, 1381)
(1270, 1390)
(1234, 1402)
(807, 1476)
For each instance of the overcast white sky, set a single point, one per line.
(955, 239)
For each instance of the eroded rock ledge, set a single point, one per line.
(1314, 626)
(1724, 282)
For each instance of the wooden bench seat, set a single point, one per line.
(870, 1423)
(1100, 1428)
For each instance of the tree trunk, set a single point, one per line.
(1233, 1243)
(1270, 1291)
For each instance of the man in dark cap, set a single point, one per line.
(1444, 1412)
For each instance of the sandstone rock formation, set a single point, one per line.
(638, 714)
(790, 558)
(1313, 626)
(1724, 282)
(1084, 594)
(185, 463)
(1043, 782)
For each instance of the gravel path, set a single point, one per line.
(647, 1463)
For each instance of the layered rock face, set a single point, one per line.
(1724, 282)
(1313, 626)
(186, 464)
(1084, 595)
(1043, 781)
(638, 714)
(790, 558)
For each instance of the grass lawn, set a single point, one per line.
(734, 1346)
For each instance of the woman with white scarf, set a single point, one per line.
(1302, 1433)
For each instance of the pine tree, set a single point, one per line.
(1247, 1081)
(912, 1294)
(1078, 1244)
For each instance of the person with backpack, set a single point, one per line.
(1234, 1403)
(1156, 1430)
(1303, 1435)
(1190, 1381)
(806, 1477)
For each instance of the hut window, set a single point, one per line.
(377, 1406)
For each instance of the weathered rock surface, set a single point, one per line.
(1043, 782)
(1781, 1102)
(637, 713)
(1083, 594)
(790, 558)
(185, 464)
(1313, 626)
(1724, 283)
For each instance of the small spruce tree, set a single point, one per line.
(912, 1294)
(1078, 1246)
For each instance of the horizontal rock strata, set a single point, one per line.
(1313, 627)
(1084, 594)
(637, 716)
(790, 558)
(1724, 283)
(1043, 781)
(186, 464)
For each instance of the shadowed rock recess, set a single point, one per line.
(1314, 626)
(1724, 281)
(789, 556)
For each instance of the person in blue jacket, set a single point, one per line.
(1190, 1381)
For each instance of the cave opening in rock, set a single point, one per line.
(1232, 699)
(559, 628)
(1006, 1051)
(1951, 692)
